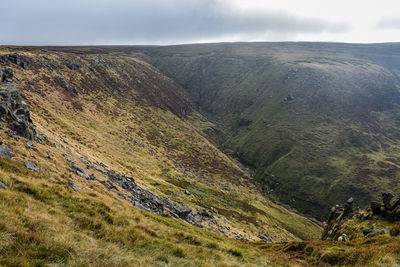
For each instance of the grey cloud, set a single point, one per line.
(389, 23)
(143, 21)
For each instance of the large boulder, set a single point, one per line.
(183, 211)
(31, 166)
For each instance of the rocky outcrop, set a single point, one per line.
(14, 110)
(17, 59)
(388, 208)
(63, 84)
(6, 75)
(127, 188)
(337, 217)
(140, 197)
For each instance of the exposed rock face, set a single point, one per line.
(14, 110)
(17, 59)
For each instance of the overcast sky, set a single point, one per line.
(89, 22)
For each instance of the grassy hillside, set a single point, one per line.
(316, 122)
(101, 108)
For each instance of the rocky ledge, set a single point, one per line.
(337, 217)
(127, 188)
(388, 209)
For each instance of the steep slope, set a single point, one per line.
(316, 122)
(119, 173)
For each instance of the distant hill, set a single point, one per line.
(316, 122)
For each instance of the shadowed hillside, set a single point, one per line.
(316, 122)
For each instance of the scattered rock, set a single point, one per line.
(205, 213)
(187, 192)
(3, 186)
(80, 172)
(265, 237)
(31, 166)
(29, 144)
(366, 231)
(5, 152)
(289, 97)
(140, 206)
(74, 186)
(183, 211)
(365, 216)
(172, 193)
(214, 210)
(73, 66)
(48, 153)
(61, 82)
